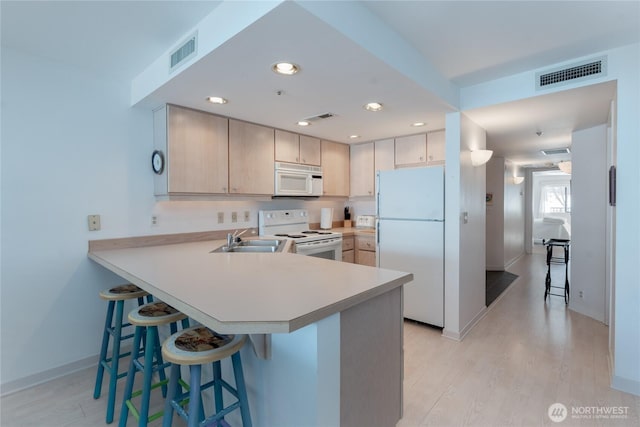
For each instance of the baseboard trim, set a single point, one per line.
(625, 384)
(459, 336)
(29, 381)
(513, 261)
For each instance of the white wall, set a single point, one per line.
(72, 146)
(513, 215)
(494, 258)
(623, 67)
(464, 242)
(588, 225)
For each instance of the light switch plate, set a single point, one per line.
(94, 222)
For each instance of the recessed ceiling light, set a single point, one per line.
(418, 124)
(286, 68)
(354, 136)
(303, 123)
(216, 100)
(373, 106)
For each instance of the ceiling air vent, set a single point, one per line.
(555, 151)
(186, 51)
(319, 117)
(583, 70)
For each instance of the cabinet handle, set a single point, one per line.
(224, 189)
(297, 159)
(304, 161)
(421, 158)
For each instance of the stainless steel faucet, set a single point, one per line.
(234, 238)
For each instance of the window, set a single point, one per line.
(555, 198)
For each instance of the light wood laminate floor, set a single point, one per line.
(523, 356)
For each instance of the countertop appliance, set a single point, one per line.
(294, 224)
(410, 207)
(294, 180)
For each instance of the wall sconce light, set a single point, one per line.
(565, 167)
(517, 180)
(480, 157)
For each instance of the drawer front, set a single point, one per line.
(348, 256)
(366, 243)
(366, 258)
(347, 243)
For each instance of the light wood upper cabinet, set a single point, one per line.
(310, 150)
(362, 170)
(335, 168)
(287, 146)
(195, 145)
(411, 150)
(384, 155)
(294, 148)
(251, 158)
(436, 147)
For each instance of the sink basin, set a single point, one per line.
(258, 242)
(253, 246)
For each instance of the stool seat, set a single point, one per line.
(200, 345)
(122, 292)
(155, 314)
(196, 347)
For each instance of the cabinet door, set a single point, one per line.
(384, 155)
(362, 174)
(287, 146)
(335, 169)
(251, 163)
(348, 256)
(411, 150)
(197, 151)
(309, 150)
(436, 147)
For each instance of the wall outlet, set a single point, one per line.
(154, 220)
(220, 217)
(94, 222)
(247, 216)
(580, 294)
(234, 216)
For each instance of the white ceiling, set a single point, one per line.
(468, 42)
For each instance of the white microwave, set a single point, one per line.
(292, 179)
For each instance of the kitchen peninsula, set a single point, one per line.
(334, 329)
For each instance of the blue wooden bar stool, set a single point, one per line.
(195, 347)
(146, 345)
(116, 297)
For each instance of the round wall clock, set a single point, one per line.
(157, 162)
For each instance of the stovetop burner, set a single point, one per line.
(316, 232)
(292, 236)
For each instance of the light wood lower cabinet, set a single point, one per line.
(251, 162)
(366, 250)
(348, 251)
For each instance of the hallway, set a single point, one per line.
(523, 356)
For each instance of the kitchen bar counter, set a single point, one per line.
(335, 328)
(248, 292)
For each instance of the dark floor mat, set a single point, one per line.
(497, 282)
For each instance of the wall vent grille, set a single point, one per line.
(186, 51)
(584, 70)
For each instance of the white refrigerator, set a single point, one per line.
(410, 236)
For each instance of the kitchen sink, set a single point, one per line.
(259, 242)
(253, 246)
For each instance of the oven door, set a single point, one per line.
(328, 248)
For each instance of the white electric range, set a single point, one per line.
(294, 224)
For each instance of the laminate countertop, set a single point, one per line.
(256, 293)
